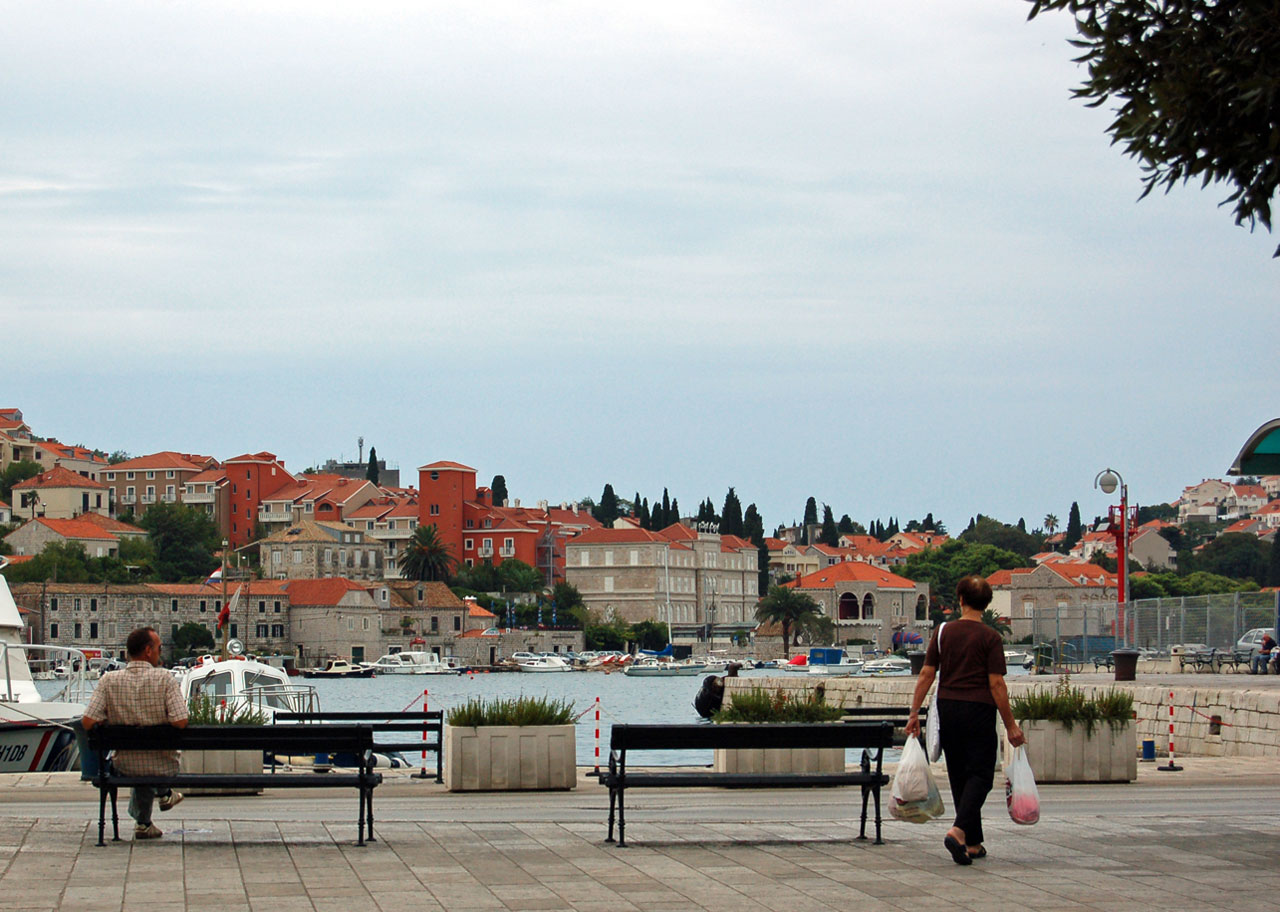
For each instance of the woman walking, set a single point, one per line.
(967, 657)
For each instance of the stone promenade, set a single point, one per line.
(1206, 838)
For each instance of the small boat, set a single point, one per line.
(339, 668)
(543, 664)
(644, 668)
(35, 732)
(889, 665)
(411, 663)
(1018, 658)
(830, 660)
(238, 685)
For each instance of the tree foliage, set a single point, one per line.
(988, 531)
(606, 511)
(427, 556)
(786, 607)
(1198, 86)
(828, 535)
(371, 471)
(1075, 529)
(13, 473)
(67, 562)
(184, 540)
(498, 487)
(810, 519)
(1162, 585)
(731, 522)
(1237, 555)
(943, 567)
(191, 639)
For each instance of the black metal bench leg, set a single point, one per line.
(875, 790)
(115, 815)
(622, 818)
(369, 802)
(102, 815)
(613, 798)
(360, 837)
(862, 829)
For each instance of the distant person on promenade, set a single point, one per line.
(967, 657)
(1259, 664)
(142, 693)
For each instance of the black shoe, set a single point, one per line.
(959, 854)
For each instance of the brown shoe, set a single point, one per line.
(150, 831)
(169, 800)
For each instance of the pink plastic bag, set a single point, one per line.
(1020, 792)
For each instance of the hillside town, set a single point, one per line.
(343, 560)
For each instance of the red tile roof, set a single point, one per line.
(65, 451)
(110, 524)
(251, 588)
(734, 543)
(1250, 491)
(58, 477)
(321, 591)
(208, 476)
(851, 571)
(76, 528)
(445, 464)
(165, 459)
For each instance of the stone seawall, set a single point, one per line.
(1250, 716)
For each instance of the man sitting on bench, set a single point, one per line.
(141, 694)
(1263, 656)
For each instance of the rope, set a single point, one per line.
(37, 720)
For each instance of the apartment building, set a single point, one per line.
(390, 519)
(137, 484)
(323, 498)
(250, 478)
(210, 491)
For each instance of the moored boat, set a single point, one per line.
(654, 669)
(543, 664)
(411, 663)
(338, 668)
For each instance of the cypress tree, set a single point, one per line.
(731, 522)
(646, 522)
(606, 511)
(667, 518)
(845, 526)
(753, 529)
(829, 535)
(1273, 564)
(1075, 531)
(674, 515)
(928, 525)
(499, 489)
(371, 473)
(810, 519)
(635, 505)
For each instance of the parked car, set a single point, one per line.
(1253, 639)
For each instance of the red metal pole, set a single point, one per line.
(597, 736)
(1123, 579)
(422, 774)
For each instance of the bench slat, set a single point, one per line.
(746, 735)
(742, 780)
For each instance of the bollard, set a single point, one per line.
(597, 772)
(1148, 750)
(1171, 767)
(422, 773)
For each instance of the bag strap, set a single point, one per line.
(941, 627)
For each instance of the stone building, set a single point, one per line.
(688, 579)
(59, 494)
(1071, 589)
(309, 550)
(867, 602)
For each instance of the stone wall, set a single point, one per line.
(1250, 717)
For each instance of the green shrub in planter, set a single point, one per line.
(759, 705)
(205, 710)
(522, 711)
(1069, 705)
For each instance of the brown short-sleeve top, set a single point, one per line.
(970, 652)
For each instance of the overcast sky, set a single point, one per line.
(868, 252)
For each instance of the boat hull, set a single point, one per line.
(661, 671)
(36, 748)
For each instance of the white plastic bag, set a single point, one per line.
(933, 733)
(1020, 792)
(914, 797)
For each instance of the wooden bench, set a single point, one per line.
(356, 740)
(1201, 659)
(872, 737)
(424, 723)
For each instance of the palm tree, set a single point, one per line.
(427, 556)
(784, 605)
(992, 620)
(1050, 523)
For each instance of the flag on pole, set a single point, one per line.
(224, 616)
(214, 578)
(539, 614)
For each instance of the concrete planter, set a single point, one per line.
(780, 760)
(510, 758)
(1058, 755)
(233, 761)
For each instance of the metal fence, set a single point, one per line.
(1083, 632)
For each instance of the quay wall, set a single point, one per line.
(1250, 716)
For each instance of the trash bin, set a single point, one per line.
(917, 661)
(1126, 662)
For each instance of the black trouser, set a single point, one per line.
(969, 744)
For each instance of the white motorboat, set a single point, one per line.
(338, 668)
(889, 665)
(1017, 657)
(652, 668)
(35, 732)
(544, 664)
(411, 663)
(239, 685)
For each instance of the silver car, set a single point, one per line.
(1253, 639)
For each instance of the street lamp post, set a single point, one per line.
(1108, 480)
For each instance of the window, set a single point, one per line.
(79, 631)
(173, 604)
(364, 623)
(277, 606)
(488, 523)
(93, 630)
(608, 584)
(297, 555)
(93, 604)
(129, 476)
(261, 630)
(471, 523)
(168, 474)
(608, 558)
(277, 630)
(635, 557)
(351, 623)
(111, 476)
(277, 556)
(53, 631)
(75, 603)
(53, 604)
(469, 544)
(457, 622)
(435, 509)
(435, 624)
(203, 606)
(469, 562)
(262, 606)
(508, 543)
(586, 558)
(151, 475)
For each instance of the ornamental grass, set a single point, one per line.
(522, 711)
(760, 705)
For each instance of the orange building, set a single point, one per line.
(478, 530)
(252, 478)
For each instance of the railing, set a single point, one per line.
(507, 552)
(192, 498)
(485, 551)
(169, 498)
(19, 682)
(148, 498)
(274, 515)
(128, 498)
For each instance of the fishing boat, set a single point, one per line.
(411, 663)
(35, 732)
(888, 666)
(652, 668)
(238, 685)
(338, 668)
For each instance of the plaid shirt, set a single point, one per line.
(141, 694)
